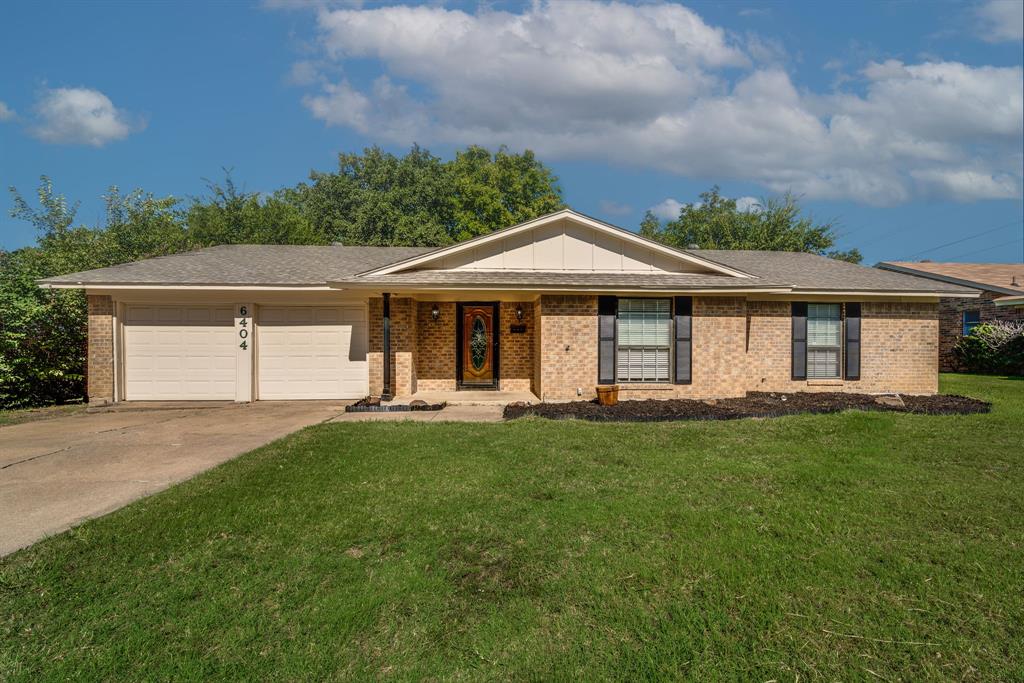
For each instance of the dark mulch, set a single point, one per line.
(754, 404)
(374, 405)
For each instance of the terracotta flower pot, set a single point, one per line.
(608, 395)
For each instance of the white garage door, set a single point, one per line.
(179, 353)
(312, 352)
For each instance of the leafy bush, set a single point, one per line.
(994, 348)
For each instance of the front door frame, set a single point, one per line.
(495, 345)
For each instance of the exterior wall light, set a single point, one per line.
(435, 313)
(519, 312)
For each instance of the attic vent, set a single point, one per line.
(1013, 282)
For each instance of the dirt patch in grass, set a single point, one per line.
(754, 404)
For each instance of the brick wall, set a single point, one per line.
(738, 346)
(951, 322)
(568, 321)
(100, 358)
(516, 363)
(719, 363)
(435, 348)
(403, 339)
(899, 349)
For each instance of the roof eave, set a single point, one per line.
(973, 284)
(183, 286)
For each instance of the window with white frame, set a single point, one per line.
(824, 340)
(644, 340)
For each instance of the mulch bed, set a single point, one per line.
(754, 404)
(374, 405)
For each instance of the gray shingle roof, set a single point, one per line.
(270, 265)
(535, 279)
(812, 272)
(247, 264)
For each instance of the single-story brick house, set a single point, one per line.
(555, 306)
(1001, 297)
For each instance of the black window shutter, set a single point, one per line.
(799, 340)
(851, 350)
(607, 307)
(684, 339)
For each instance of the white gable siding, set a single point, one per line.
(566, 246)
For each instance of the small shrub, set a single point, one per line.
(993, 348)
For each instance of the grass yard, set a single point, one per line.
(858, 546)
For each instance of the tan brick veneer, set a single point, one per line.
(899, 349)
(738, 346)
(435, 348)
(100, 359)
(403, 339)
(741, 346)
(516, 364)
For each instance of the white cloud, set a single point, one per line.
(614, 208)
(303, 73)
(81, 116)
(668, 209)
(1001, 20)
(655, 86)
(748, 204)
(6, 113)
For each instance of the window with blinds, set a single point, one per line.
(644, 340)
(824, 340)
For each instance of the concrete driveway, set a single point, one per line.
(57, 472)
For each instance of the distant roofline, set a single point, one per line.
(974, 284)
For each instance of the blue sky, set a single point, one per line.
(902, 121)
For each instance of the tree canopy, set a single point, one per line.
(380, 199)
(777, 224)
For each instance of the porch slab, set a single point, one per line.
(469, 398)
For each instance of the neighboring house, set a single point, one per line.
(1002, 297)
(555, 306)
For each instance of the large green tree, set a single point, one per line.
(493, 191)
(776, 224)
(378, 198)
(229, 215)
(42, 331)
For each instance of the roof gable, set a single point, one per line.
(565, 241)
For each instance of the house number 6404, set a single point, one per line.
(243, 333)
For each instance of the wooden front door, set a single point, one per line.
(478, 345)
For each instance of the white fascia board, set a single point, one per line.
(188, 288)
(887, 293)
(593, 223)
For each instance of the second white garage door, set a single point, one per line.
(308, 352)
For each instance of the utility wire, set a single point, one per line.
(994, 246)
(964, 239)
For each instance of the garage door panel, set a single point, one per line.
(179, 353)
(305, 353)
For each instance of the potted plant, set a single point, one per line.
(608, 394)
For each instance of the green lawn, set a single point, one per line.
(860, 546)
